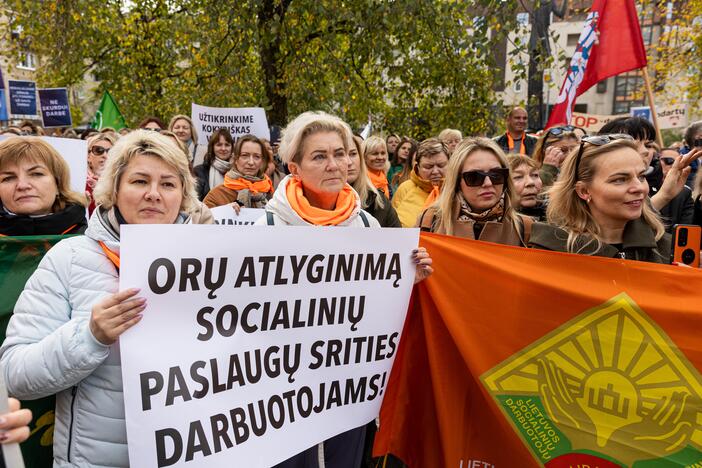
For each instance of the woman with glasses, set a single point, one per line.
(680, 210)
(246, 183)
(98, 146)
(477, 200)
(599, 205)
(425, 178)
(552, 148)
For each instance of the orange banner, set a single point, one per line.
(513, 357)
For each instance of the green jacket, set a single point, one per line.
(639, 243)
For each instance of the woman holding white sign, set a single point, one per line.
(315, 146)
(62, 337)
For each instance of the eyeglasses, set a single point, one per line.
(558, 131)
(497, 176)
(668, 161)
(99, 150)
(598, 140)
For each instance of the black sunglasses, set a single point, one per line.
(598, 140)
(558, 131)
(497, 176)
(98, 150)
(668, 161)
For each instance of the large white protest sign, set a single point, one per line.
(75, 152)
(238, 120)
(226, 215)
(668, 116)
(260, 342)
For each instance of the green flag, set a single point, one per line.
(19, 257)
(108, 114)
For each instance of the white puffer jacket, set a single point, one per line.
(283, 214)
(49, 349)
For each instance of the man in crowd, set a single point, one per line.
(515, 139)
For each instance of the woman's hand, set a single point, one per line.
(14, 425)
(423, 260)
(675, 180)
(236, 207)
(116, 314)
(553, 156)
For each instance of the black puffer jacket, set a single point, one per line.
(71, 220)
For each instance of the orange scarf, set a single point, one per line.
(380, 181)
(433, 196)
(111, 256)
(345, 204)
(260, 186)
(510, 144)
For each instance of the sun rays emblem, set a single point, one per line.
(609, 384)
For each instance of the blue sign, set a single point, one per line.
(55, 111)
(3, 99)
(643, 112)
(3, 105)
(23, 98)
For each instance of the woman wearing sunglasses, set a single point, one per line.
(98, 146)
(477, 201)
(599, 205)
(552, 148)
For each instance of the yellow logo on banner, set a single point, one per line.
(610, 382)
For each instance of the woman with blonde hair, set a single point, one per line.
(552, 148)
(478, 198)
(372, 199)
(425, 180)
(98, 146)
(451, 138)
(63, 336)
(182, 126)
(35, 193)
(600, 206)
(375, 155)
(315, 147)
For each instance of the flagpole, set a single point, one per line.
(652, 105)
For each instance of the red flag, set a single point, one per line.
(611, 43)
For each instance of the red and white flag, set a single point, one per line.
(611, 43)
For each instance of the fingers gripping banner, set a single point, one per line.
(257, 342)
(534, 358)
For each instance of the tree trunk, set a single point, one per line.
(273, 13)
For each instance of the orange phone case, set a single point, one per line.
(686, 247)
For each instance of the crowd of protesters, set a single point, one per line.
(614, 194)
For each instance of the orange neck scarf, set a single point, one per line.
(113, 257)
(510, 144)
(240, 183)
(433, 196)
(345, 204)
(423, 184)
(380, 181)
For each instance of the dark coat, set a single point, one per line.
(386, 216)
(639, 243)
(69, 221)
(697, 212)
(680, 210)
(202, 178)
(529, 143)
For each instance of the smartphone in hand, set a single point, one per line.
(687, 241)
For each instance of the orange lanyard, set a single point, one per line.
(113, 257)
(510, 144)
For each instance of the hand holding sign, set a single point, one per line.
(116, 314)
